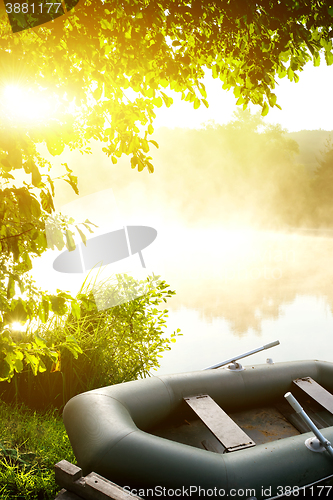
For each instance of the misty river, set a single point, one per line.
(238, 289)
(238, 285)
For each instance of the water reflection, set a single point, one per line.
(250, 276)
(237, 291)
(304, 329)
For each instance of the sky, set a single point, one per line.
(306, 105)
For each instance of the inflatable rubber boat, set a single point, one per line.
(226, 432)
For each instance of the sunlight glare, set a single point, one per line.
(24, 105)
(16, 326)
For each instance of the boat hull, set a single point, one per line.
(111, 432)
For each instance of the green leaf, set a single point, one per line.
(290, 74)
(55, 238)
(58, 305)
(18, 365)
(237, 91)
(87, 221)
(134, 161)
(164, 83)
(145, 145)
(202, 90)
(329, 58)
(72, 181)
(98, 92)
(282, 73)
(43, 310)
(73, 346)
(196, 103)
(15, 158)
(41, 366)
(35, 175)
(6, 166)
(265, 109)
(272, 100)
(10, 287)
(70, 243)
(7, 176)
(39, 341)
(33, 361)
(55, 145)
(167, 100)
(82, 235)
(157, 101)
(47, 201)
(76, 310)
(150, 92)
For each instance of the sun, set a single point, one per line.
(16, 326)
(21, 104)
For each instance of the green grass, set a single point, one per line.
(31, 443)
(101, 347)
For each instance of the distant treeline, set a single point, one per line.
(242, 172)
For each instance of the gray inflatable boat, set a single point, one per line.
(226, 432)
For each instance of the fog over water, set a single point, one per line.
(243, 238)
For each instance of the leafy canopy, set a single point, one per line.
(116, 59)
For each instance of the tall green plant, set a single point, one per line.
(24, 209)
(102, 347)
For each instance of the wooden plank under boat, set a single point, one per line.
(210, 431)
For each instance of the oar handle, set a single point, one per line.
(231, 360)
(293, 402)
(298, 409)
(271, 344)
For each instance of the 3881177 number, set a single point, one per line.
(314, 491)
(32, 8)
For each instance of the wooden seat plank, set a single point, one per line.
(67, 495)
(90, 487)
(316, 391)
(219, 423)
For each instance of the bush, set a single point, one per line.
(116, 345)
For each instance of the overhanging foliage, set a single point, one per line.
(118, 58)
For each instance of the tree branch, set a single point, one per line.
(15, 235)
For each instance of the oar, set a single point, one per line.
(313, 444)
(232, 360)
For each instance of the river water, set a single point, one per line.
(238, 289)
(241, 289)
